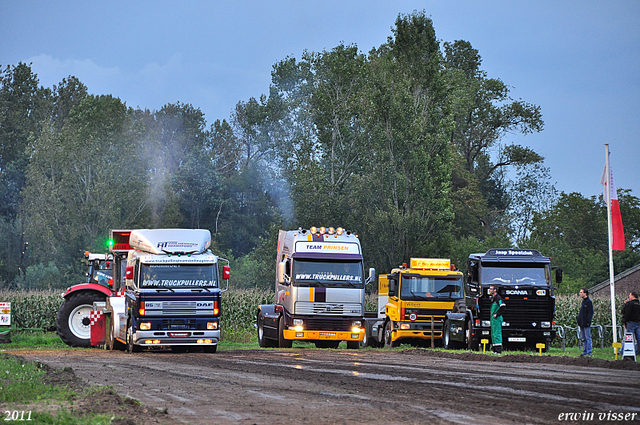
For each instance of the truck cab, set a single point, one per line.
(524, 281)
(319, 288)
(414, 301)
(172, 291)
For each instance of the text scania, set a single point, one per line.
(516, 292)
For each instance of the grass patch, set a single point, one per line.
(25, 396)
(22, 382)
(35, 340)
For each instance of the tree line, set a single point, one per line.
(407, 145)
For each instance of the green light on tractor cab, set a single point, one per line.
(109, 243)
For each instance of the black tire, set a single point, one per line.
(131, 347)
(210, 348)
(472, 343)
(365, 340)
(114, 344)
(353, 345)
(72, 321)
(283, 343)
(327, 344)
(262, 341)
(446, 336)
(388, 343)
(459, 306)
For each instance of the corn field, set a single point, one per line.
(38, 309)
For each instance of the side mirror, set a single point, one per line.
(226, 272)
(558, 275)
(281, 273)
(129, 272)
(392, 288)
(372, 276)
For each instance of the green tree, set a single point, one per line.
(170, 136)
(23, 106)
(84, 180)
(404, 204)
(531, 192)
(574, 232)
(484, 115)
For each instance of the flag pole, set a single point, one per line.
(612, 285)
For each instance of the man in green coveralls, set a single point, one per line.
(497, 308)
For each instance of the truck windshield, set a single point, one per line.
(345, 274)
(178, 276)
(505, 274)
(428, 288)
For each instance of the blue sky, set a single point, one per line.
(578, 60)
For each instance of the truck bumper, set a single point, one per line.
(400, 334)
(175, 338)
(417, 330)
(323, 335)
(520, 335)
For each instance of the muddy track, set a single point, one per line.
(366, 386)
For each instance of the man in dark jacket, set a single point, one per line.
(584, 322)
(631, 317)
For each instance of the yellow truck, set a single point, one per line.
(414, 304)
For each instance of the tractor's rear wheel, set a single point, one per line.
(73, 322)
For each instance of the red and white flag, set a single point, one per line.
(617, 232)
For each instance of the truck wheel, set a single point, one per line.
(283, 343)
(72, 321)
(365, 340)
(353, 345)
(460, 306)
(262, 341)
(472, 344)
(446, 335)
(114, 344)
(131, 347)
(388, 342)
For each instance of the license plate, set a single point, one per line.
(179, 334)
(326, 335)
(178, 326)
(517, 339)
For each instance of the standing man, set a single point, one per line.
(497, 308)
(584, 322)
(631, 317)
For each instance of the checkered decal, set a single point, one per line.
(94, 316)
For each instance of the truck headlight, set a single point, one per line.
(405, 326)
(145, 326)
(298, 325)
(545, 324)
(356, 326)
(212, 326)
(486, 323)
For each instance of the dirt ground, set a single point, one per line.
(293, 386)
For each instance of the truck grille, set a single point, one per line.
(521, 313)
(328, 309)
(328, 325)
